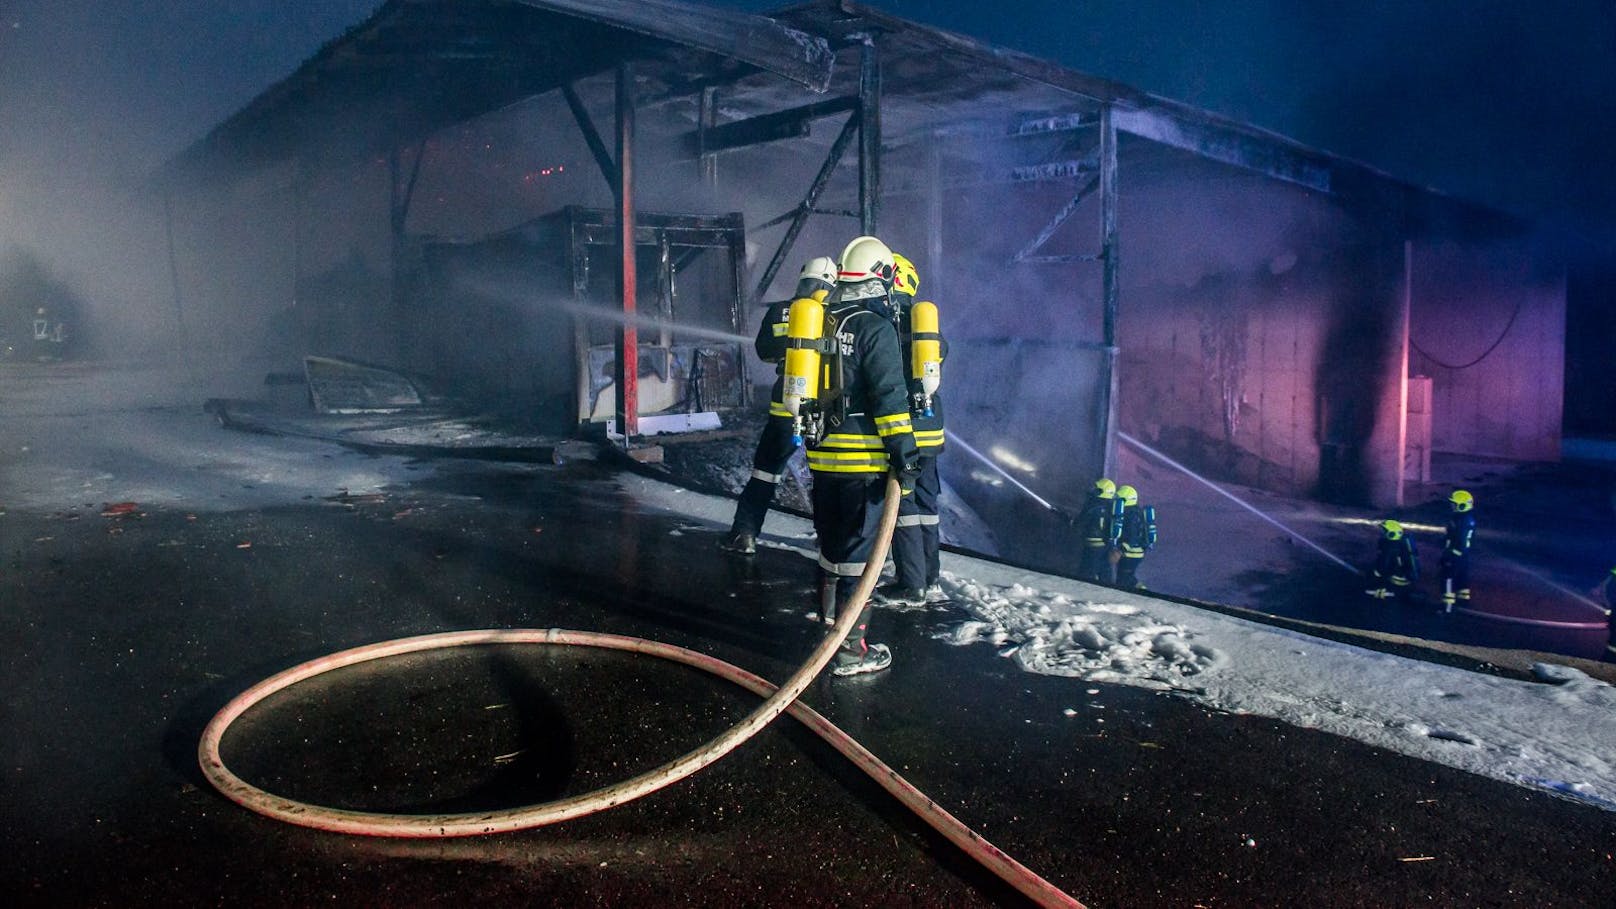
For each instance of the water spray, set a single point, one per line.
(618, 317)
(1233, 498)
(953, 437)
(488, 288)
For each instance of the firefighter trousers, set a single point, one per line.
(917, 540)
(774, 449)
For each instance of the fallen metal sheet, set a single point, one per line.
(344, 387)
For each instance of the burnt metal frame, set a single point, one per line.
(865, 121)
(598, 228)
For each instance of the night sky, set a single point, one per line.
(1500, 101)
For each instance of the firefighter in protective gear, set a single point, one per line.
(1135, 536)
(1096, 523)
(1396, 564)
(917, 541)
(775, 445)
(865, 402)
(1456, 540)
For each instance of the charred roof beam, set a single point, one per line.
(586, 125)
(1227, 146)
(795, 123)
(1047, 172)
(756, 40)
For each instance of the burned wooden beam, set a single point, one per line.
(786, 124)
(756, 40)
(1229, 146)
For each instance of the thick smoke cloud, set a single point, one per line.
(96, 96)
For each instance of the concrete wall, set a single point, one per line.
(1488, 326)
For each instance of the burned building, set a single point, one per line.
(575, 209)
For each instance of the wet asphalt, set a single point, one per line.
(123, 635)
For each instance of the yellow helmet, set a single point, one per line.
(863, 259)
(1128, 495)
(905, 280)
(1462, 500)
(1105, 489)
(1392, 530)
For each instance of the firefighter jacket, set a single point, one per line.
(929, 433)
(1461, 531)
(1395, 561)
(866, 374)
(770, 345)
(1094, 521)
(1136, 532)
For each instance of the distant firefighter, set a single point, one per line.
(1135, 535)
(775, 445)
(1456, 541)
(1396, 564)
(1096, 522)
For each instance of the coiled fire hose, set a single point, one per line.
(777, 701)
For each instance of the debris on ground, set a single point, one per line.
(350, 499)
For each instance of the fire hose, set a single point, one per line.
(777, 700)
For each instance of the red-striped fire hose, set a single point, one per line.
(777, 701)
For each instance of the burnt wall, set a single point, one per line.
(1260, 330)
(1488, 326)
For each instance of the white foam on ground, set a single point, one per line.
(1555, 735)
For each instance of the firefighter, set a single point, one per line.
(917, 542)
(864, 403)
(1456, 540)
(1396, 563)
(1135, 535)
(775, 445)
(1095, 522)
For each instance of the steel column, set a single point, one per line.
(627, 346)
(837, 149)
(586, 125)
(934, 219)
(1110, 260)
(707, 118)
(869, 137)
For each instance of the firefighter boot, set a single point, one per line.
(861, 658)
(827, 599)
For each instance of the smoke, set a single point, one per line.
(96, 96)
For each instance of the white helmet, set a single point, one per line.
(821, 268)
(865, 258)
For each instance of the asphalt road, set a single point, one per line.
(124, 634)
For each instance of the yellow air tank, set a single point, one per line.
(926, 351)
(805, 326)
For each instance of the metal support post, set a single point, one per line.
(934, 220)
(1110, 260)
(869, 137)
(627, 346)
(837, 149)
(706, 120)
